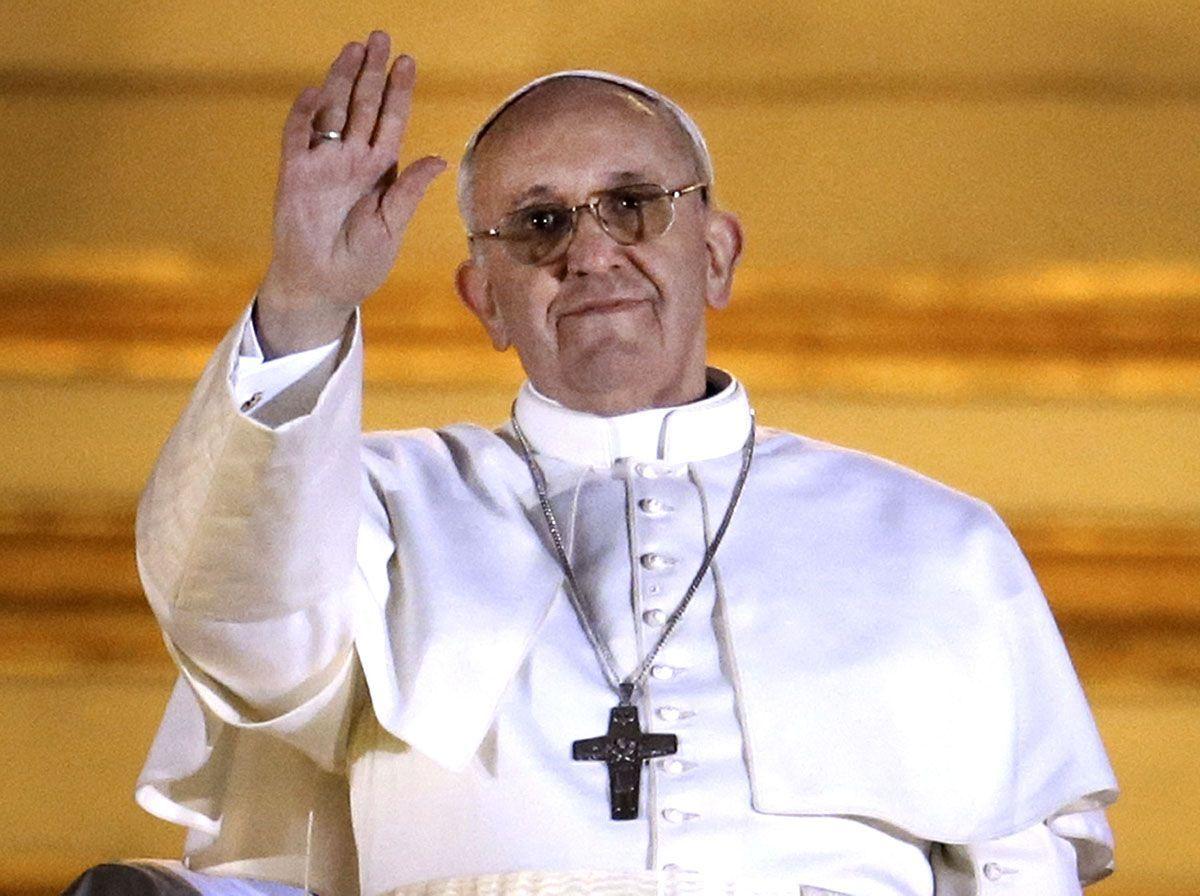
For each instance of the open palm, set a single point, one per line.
(341, 205)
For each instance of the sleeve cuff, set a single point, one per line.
(317, 725)
(1089, 832)
(256, 380)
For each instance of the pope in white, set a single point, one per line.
(390, 644)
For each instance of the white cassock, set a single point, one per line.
(870, 694)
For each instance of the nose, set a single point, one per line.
(589, 247)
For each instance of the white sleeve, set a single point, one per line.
(1057, 857)
(1088, 831)
(256, 381)
(247, 534)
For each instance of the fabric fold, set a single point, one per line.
(923, 633)
(928, 686)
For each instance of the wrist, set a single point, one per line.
(287, 328)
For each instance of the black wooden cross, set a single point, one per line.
(624, 748)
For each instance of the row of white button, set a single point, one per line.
(671, 765)
(656, 562)
(653, 561)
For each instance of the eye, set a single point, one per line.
(634, 198)
(538, 220)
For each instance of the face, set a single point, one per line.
(605, 327)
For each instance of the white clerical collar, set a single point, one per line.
(702, 429)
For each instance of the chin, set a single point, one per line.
(610, 386)
(617, 369)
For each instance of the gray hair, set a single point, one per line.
(681, 118)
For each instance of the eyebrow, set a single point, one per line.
(616, 179)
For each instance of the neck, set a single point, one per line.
(627, 398)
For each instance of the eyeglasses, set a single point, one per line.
(539, 234)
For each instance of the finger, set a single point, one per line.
(400, 201)
(397, 100)
(335, 92)
(298, 128)
(364, 100)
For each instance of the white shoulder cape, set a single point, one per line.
(895, 657)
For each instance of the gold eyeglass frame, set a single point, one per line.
(592, 204)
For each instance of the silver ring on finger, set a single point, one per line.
(328, 135)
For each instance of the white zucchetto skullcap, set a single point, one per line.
(682, 118)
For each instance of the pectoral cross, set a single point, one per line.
(624, 749)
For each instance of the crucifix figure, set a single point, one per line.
(624, 748)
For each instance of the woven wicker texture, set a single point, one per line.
(601, 883)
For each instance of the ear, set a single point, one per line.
(472, 285)
(723, 240)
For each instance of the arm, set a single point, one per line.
(247, 529)
(1058, 766)
(247, 536)
(1057, 857)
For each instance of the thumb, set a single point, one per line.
(400, 201)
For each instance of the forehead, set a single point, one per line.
(578, 135)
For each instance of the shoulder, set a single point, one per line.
(884, 519)
(426, 442)
(462, 451)
(831, 475)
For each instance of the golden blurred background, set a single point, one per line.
(972, 248)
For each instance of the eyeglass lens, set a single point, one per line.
(628, 214)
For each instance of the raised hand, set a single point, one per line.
(340, 206)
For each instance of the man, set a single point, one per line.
(628, 641)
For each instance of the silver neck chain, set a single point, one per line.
(628, 688)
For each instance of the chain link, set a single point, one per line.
(628, 688)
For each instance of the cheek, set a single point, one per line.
(679, 275)
(523, 297)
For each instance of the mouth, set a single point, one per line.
(607, 306)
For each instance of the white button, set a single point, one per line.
(992, 871)
(663, 672)
(673, 869)
(673, 713)
(676, 816)
(673, 766)
(656, 471)
(656, 561)
(654, 507)
(250, 403)
(654, 617)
